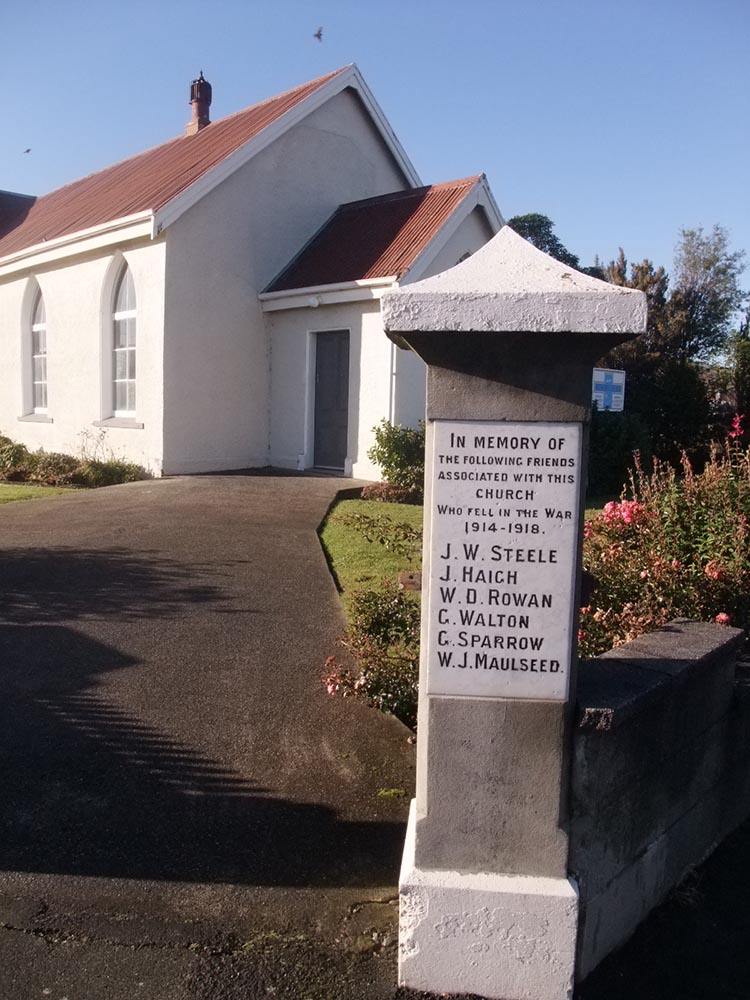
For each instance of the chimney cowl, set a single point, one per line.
(200, 101)
(200, 89)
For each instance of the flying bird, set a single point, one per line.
(319, 34)
(27, 150)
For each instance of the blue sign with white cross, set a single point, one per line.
(608, 389)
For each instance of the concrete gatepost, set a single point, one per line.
(510, 337)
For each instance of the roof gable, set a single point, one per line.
(374, 238)
(167, 179)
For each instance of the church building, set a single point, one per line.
(213, 303)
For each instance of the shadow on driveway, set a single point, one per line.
(60, 584)
(88, 788)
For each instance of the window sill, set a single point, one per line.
(36, 418)
(119, 422)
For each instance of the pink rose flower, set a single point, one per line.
(714, 570)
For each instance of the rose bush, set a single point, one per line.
(680, 547)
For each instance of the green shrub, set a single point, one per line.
(18, 464)
(54, 468)
(13, 456)
(386, 616)
(614, 439)
(399, 453)
(390, 493)
(673, 405)
(741, 357)
(18, 474)
(678, 414)
(384, 637)
(95, 472)
(388, 679)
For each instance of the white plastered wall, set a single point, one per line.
(384, 380)
(224, 251)
(78, 303)
(293, 381)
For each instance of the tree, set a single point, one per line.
(644, 354)
(687, 323)
(665, 390)
(538, 230)
(706, 293)
(741, 364)
(675, 407)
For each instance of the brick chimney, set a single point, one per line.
(200, 101)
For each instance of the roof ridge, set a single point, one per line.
(411, 192)
(317, 82)
(460, 182)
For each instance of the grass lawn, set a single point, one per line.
(20, 491)
(358, 564)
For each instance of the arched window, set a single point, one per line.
(123, 346)
(39, 356)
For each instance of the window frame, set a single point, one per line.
(36, 327)
(128, 350)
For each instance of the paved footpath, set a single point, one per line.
(185, 814)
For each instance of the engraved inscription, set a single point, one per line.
(504, 533)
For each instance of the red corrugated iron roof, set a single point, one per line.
(374, 238)
(149, 180)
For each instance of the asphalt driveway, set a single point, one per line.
(185, 814)
(170, 757)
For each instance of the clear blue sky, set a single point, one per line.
(621, 122)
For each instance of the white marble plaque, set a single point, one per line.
(504, 533)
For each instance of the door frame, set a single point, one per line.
(311, 351)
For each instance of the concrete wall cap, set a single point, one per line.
(624, 681)
(509, 285)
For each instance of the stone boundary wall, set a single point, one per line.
(660, 773)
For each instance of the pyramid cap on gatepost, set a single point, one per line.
(509, 286)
